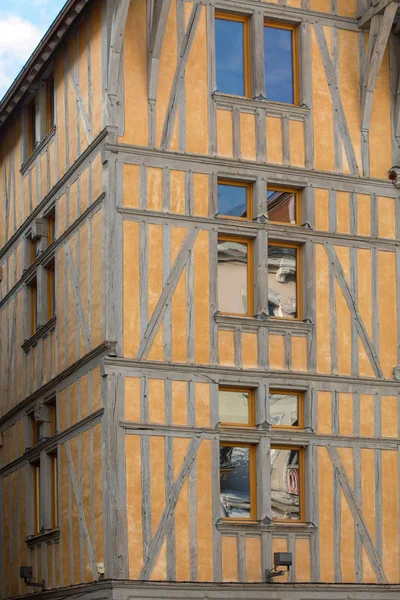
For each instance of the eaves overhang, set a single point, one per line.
(40, 57)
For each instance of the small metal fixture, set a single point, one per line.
(281, 559)
(26, 574)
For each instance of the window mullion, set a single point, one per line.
(257, 56)
(263, 468)
(261, 273)
(42, 296)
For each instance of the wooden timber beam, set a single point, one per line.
(381, 27)
(376, 9)
(159, 11)
(119, 18)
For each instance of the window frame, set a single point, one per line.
(252, 477)
(294, 28)
(300, 408)
(252, 406)
(250, 272)
(299, 200)
(302, 482)
(299, 278)
(245, 19)
(249, 197)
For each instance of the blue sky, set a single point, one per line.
(22, 25)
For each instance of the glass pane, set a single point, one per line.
(285, 484)
(282, 282)
(284, 409)
(232, 200)
(229, 41)
(279, 64)
(232, 277)
(234, 407)
(234, 463)
(281, 206)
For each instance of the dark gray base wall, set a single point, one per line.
(133, 590)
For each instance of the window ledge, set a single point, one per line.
(270, 323)
(271, 108)
(50, 536)
(260, 526)
(39, 334)
(38, 149)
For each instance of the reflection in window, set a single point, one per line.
(284, 409)
(233, 276)
(285, 484)
(235, 481)
(230, 55)
(279, 64)
(282, 282)
(233, 200)
(236, 406)
(282, 206)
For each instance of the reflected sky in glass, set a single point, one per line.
(232, 200)
(229, 40)
(278, 65)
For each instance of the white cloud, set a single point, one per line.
(18, 39)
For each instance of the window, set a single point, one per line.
(35, 429)
(32, 127)
(51, 292)
(284, 280)
(54, 490)
(280, 63)
(232, 54)
(287, 483)
(236, 407)
(33, 305)
(237, 481)
(49, 103)
(235, 275)
(283, 205)
(234, 199)
(286, 409)
(36, 475)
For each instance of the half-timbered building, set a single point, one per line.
(200, 303)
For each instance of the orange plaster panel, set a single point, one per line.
(296, 132)
(387, 311)
(154, 189)
(322, 103)
(364, 214)
(343, 332)
(204, 513)
(343, 212)
(389, 416)
(247, 136)
(348, 8)
(253, 559)
(299, 353)
(367, 415)
(202, 394)
(156, 401)
(249, 351)
(226, 348)
(131, 186)
(368, 490)
(346, 414)
(179, 402)
(229, 558)
(320, 6)
(303, 560)
(325, 412)
(132, 399)
(322, 209)
(322, 309)
(201, 195)
(276, 351)
(274, 140)
(131, 289)
(386, 218)
(197, 91)
(73, 403)
(349, 85)
(225, 133)
(135, 71)
(177, 192)
(390, 516)
(325, 479)
(159, 572)
(155, 281)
